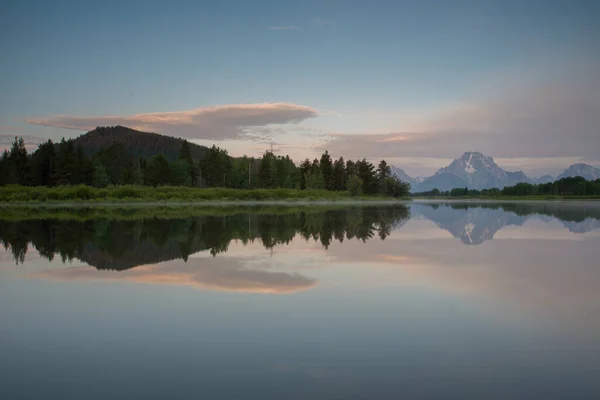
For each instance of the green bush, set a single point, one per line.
(354, 185)
(11, 194)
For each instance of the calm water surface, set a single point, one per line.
(427, 300)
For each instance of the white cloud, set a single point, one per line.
(214, 123)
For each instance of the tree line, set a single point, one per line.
(570, 186)
(62, 164)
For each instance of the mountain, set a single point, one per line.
(587, 171)
(136, 143)
(544, 179)
(472, 170)
(403, 176)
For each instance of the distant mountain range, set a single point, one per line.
(477, 171)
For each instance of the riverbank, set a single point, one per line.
(75, 195)
(506, 198)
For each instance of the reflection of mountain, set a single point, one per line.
(118, 244)
(475, 223)
(471, 225)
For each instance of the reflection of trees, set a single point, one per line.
(121, 244)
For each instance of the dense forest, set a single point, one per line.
(122, 243)
(68, 163)
(570, 186)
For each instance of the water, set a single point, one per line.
(430, 300)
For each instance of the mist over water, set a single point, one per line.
(422, 299)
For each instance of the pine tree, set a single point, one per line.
(158, 171)
(326, 167)
(43, 163)
(185, 152)
(267, 171)
(384, 172)
(20, 162)
(6, 170)
(366, 171)
(304, 171)
(339, 175)
(66, 163)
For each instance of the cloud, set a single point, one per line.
(552, 119)
(501, 272)
(31, 142)
(224, 274)
(282, 27)
(214, 123)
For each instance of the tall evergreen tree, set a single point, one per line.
(158, 171)
(66, 163)
(20, 162)
(339, 174)
(366, 171)
(327, 170)
(383, 173)
(350, 168)
(267, 171)
(43, 163)
(186, 156)
(185, 152)
(215, 167)
(6, 170)
(304, 171)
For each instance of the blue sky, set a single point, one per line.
(415, 82)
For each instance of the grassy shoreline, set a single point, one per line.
(77, 195)
(188, 196)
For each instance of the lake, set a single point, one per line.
(415, 300)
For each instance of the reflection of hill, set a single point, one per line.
(123, 244)
(475, 223)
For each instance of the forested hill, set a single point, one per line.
(136, 143)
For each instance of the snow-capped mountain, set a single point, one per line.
(587, 171)
(475, 171)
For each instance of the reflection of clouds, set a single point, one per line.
(558, 280)
(226, 274)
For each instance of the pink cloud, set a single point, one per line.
(215, 123)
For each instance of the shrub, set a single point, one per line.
(354, 185)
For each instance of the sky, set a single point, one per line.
(415, 82)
